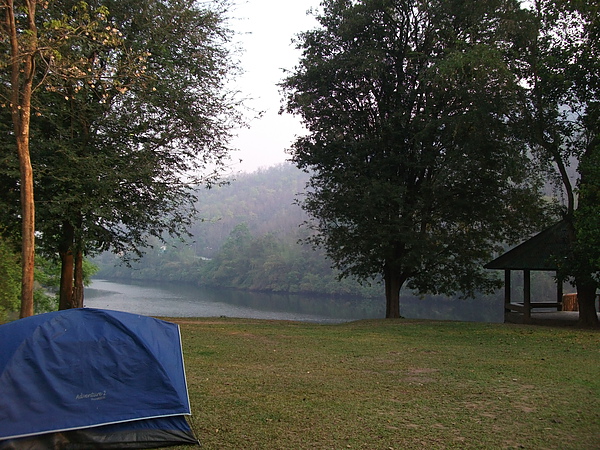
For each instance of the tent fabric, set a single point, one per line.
(147, 433)
(109, 373)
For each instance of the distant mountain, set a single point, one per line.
(264, 200)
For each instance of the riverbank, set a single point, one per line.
(391, 384)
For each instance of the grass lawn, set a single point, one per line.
(391, 384)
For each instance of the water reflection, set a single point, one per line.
(180, 300)
(177, 300)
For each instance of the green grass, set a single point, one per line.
(391, 384)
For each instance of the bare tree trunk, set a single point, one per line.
(22, 68)
(66, 280)
(586, 219)
(71, 274)
(28, 233)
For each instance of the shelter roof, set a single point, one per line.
(538, 253)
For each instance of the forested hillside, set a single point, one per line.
(263, 200)
(247, 237)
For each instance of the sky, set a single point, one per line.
(265, 29)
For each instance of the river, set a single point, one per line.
(181, 300)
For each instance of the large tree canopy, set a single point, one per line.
(136, 140)
(119, 151)
(417, 174)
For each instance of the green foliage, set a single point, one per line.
(47, 277)
(264, 200)
(10, 280)
(48, 272)
(561, 72)
(274, 264)
(113, 148)
(268, 263)
(260, 208)
(418, 173)
(133, 110)
(44, 301)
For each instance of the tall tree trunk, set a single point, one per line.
(22, 69)
(65, 250)
(586, 297)
(27, 228)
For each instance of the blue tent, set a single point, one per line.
(91, 378)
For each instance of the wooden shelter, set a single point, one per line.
(540, 253)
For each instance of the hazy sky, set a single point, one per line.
(265, 30)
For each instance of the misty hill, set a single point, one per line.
(263, 200)
(246, 237)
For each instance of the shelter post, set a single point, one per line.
(507, 288)
(559, 293)
(527, 295)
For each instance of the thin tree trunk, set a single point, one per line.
(22, 68)
(588, 198)
(66, 280)
(28, 233)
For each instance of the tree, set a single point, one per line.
(120, 153)
(23, 48)
(417, 173)
(563, 77)
(30, 52)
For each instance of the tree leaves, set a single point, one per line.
(416, 166)
(140, 129)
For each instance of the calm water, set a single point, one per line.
(176, 300)
(180, 300)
